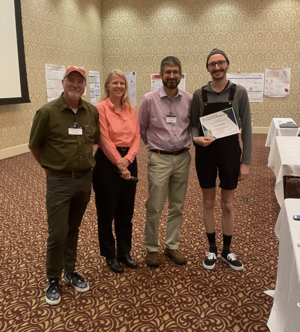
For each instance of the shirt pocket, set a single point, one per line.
(89, 133)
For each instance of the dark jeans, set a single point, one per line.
(66, 202)
(114, 198)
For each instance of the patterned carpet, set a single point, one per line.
(169, 298)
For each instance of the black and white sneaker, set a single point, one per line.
(210, 261)
(74, 279)
(53, 289)
(232, 261)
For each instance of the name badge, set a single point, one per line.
(171, 118)
(75, 130)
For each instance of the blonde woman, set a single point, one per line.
(115, 167)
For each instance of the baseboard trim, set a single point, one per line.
(260, 130)
(13, 151)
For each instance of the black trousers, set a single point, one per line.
(114, 197)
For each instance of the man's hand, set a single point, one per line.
(123, 164)
(244, 171)
(202, 140)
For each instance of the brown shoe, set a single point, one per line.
(151, 259)
(175, 255)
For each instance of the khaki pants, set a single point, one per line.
(167, 177)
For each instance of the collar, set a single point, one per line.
(111, 105)
(64, 104)
(162, 93)
(209, 88)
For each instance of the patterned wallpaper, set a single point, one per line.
(135, 35)
(57, 32)
(255, 34)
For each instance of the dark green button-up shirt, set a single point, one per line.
(50, 133)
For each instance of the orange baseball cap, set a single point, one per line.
(75, 68)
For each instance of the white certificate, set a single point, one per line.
(220, 124)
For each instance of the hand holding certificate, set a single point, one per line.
(220, 124)
(203, 141)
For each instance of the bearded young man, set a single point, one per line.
(222, 157)
(164, 118)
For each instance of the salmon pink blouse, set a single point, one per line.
(118, 130)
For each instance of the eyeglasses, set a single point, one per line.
(219, 63)
(72, 81)
(169, 72)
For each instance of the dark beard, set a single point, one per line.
(171, 84)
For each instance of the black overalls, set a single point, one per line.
(223, 155)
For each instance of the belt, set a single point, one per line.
(68, 174)
(174, 153)
(120, 148)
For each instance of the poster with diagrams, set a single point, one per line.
(252, 82)
(277, 82)
(54, 76)
(95, 93)
(131, 79)
(156, 82)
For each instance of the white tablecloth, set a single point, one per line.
(275, 130)
(285, 314)
(284, 159)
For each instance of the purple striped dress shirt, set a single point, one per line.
(155, 131)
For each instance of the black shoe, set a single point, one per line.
(210, 261)
(114, 265)
(127, 260)
(233, 262)
(53, 292)
(74, 279)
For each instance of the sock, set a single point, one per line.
(226, 244)
(212, 242)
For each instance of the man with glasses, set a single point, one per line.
(222, 156)
(164, 118)
(61, 140)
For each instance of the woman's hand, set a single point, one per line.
(202, 140)
(122, 164)
(126, 174)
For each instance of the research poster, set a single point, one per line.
(252, 82)
(54, 76)
(95, 93)
(131, 79)
(277, 82)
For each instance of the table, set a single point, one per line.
(285, 313)
(275, 130)
(284, 159)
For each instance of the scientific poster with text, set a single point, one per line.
(277, 82)
(95, 94)
(252, 82)
(54, 76)
(131, 79)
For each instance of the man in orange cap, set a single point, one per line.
(61, 140)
